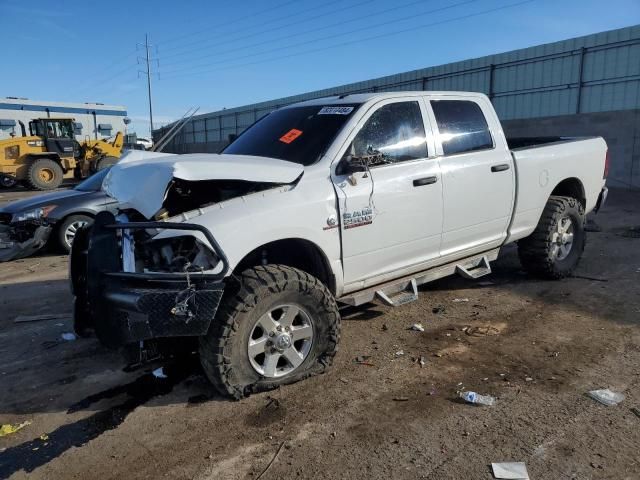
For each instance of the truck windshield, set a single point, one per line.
(299, 134)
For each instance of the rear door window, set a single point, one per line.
(462, 126)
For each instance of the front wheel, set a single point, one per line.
(554, 248)
(279, 325)
(69, 228)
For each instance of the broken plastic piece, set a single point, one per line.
(69, 337)
(606, 397)
(8, 429)
(417, 327)
(510, 470)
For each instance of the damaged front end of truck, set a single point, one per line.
(131, 289)
(146, 275)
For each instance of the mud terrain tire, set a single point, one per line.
(541, 253)
(259, 291)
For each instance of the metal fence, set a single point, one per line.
(595, 73)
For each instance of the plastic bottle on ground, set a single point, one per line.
(477, 399)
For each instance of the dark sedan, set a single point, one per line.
(28, 225)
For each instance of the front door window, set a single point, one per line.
(394, 133)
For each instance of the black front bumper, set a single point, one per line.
(124, 307)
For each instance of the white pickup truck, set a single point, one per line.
(335, 200)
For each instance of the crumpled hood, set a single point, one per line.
(142, 184)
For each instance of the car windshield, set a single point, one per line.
(94, 182)
(298, 134)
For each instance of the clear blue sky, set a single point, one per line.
(225, 54)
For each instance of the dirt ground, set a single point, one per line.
(537, 346)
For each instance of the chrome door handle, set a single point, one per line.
(425, 181)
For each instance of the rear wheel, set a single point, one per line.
(105, 162)
(44, 174)
(69, 228)
(279, 326)
(554, 248)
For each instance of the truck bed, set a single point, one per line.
(542, 163)
(516, 143)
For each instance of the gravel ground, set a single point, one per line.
(537, 346)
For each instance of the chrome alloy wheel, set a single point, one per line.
(280, 341)
(562, 239)
(72, 229)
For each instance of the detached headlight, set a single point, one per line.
(35, 214)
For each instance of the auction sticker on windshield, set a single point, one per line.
(291, 135)
(335, 111)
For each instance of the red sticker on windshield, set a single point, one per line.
(291, 135)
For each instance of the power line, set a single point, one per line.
(231, 22)
(351, 42)
(148, 60)
(280, 27)
(315, 40)
(306, 32)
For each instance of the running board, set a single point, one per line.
(474, 269)
(394, 298)
(404, 290)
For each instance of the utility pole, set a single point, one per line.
(148, 60)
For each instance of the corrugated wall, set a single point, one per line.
(595, 73)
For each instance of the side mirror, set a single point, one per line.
(350, 164)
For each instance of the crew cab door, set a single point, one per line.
(390, 214)
(477, 175)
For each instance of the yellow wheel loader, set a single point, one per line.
(50, 153)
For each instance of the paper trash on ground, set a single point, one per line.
(606, 397)
(510, 470)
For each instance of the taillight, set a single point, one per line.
(606, 165)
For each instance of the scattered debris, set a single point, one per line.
(635, 411)
(438, 309)
(476, 399)
(400, 399)
(384, 327)
(595, 279)
(33, 267)
(69, 337)
(417, 327)
(606, 397)
(458, 300)
(362, 360)
(528, 379)
(38, 318)
(8, 429)
(629, 232)
(422, 362)
(271, 462)
(510, 470)
(44, 437)
(481, 331)
(159, 373)
(399, 353)
(344, 380)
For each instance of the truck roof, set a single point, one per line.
(348, 98)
